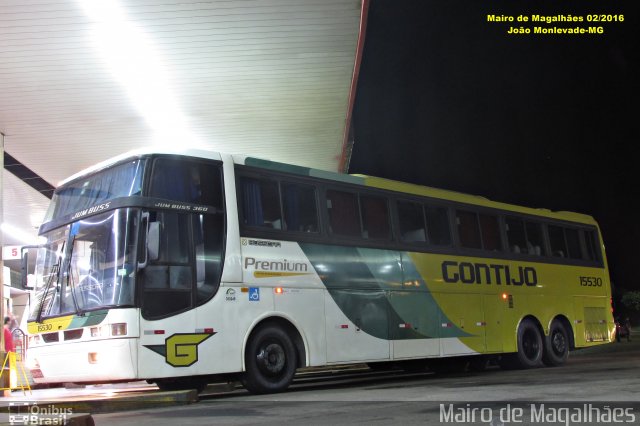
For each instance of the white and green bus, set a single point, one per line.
(186, 268)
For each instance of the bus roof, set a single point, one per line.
(375, 182)
(136, 153)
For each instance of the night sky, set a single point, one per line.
(449, 100)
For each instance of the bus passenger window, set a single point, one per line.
(300, 208)
(573, 243)
(375, 217)
(468, 229)
(516, 237)
(535, 241)
(344, 215)
(556, 239)
(490, 232)
(411, 220)
(260, 203)
(591, 245)
(438, 226)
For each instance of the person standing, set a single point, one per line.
(8, 337)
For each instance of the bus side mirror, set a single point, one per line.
(153, 240)
(24, 272)
(24, 266)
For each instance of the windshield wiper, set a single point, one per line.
(55, 272)
(70, 283)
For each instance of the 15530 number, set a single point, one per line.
(590, 282)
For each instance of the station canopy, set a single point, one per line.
(85, 80)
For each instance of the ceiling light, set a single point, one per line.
(135, 62)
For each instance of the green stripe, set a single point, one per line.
(89, 319)
(377, 294)
(303, 171)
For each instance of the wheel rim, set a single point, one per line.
(530, 345)
(271, 359)
(559, 343)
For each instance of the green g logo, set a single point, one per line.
(180, 349)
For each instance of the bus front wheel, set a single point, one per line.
(556, 345)
(270, 361)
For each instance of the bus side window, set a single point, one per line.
(516, 237)
(300, 208)
(344, 215)
(591, 245)
(468, 229)
(167, 280)
(573, 243)
(174, 180)
(188, 181)
(411, 221)
(535, 241)
(438, 228)
(260, 203)
(490, 232)
(556, 239)
(375, 217)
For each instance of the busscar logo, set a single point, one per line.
(181, 349)
(261, 243)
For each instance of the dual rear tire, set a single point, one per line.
(556, 347)
(534, 348)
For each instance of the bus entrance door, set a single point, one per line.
(169, 334)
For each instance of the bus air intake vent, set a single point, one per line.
(73, 334)
(50, 337)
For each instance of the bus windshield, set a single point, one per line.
(87, 265)
(120, 181)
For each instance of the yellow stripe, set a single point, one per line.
(269, 274)
(50, 325)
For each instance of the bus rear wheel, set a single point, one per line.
(270, 361)
(556, 345)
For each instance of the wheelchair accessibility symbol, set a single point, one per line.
(254, 294)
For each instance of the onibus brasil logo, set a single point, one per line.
(180, 349)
